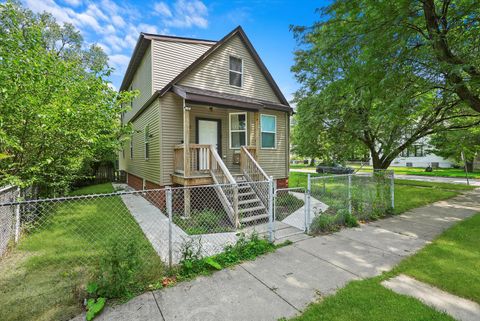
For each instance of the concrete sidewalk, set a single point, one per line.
(283, 283)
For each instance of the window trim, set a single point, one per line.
(230, 131)
(131, 146)
(262, 131)
(237, 72)
(146, 141)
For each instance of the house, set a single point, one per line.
(209, 112)
(420, 155)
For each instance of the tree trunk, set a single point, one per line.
(312, 162)
(469, 165)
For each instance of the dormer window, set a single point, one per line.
(236, 71)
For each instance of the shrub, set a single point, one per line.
(120, 270)
(324, 223)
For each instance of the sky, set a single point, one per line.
(116, 25)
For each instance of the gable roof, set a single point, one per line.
(141, 47)
(237, 31)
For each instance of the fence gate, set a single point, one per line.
(290, 212)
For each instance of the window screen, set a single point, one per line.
(236, 71)
(268, 125)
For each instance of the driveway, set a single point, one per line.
(436, 179)
(283, 283)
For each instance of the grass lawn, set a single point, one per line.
(451, 263)
(440, 172)
(44, 276)
(408, 194)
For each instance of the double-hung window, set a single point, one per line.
(147, 141)
(238, 130)
(268, 125)
(236, 71)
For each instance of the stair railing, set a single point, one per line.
(253, 173)
(225, 186)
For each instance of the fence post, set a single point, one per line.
(270, 209)
(392, 189)
(168, 190)
(350, 193)
(17, 216)
(307, 203)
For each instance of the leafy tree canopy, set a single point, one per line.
(375, 73)
(57, 109)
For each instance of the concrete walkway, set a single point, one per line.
(283, 283)
(435, 179)
(459, 308)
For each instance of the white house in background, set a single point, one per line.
(418, 155)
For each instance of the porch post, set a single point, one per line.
(257, 133)
(186, 140)
(186, 157)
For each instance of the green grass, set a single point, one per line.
(43, 278)
(451, 262)
(408, 194)
(420, 171)
(440, 172)
(367, 300)
(204, 222)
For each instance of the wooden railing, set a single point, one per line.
(199, 156)
(252, 172)
(204, 159)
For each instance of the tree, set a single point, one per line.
(368, 77)
(58, 111)
(452, 144)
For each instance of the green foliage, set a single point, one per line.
(350, 220)
(453, 143)
(94, 307)
(286, 204)
(192, 263)
(58, 111)
(324, 223)
(204, 222)
(119, 270)
(373, 77)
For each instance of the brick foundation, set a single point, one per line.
(282, 182)
(157, 198)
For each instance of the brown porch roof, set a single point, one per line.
(198, 95)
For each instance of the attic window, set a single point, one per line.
(236, 71)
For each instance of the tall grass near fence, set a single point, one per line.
(61, 248)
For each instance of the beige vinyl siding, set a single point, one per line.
(171, 131)
(213, 73)
(142, 81)
(171, 58)
(275, 161)
(139, 166)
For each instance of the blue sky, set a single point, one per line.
(115, 26)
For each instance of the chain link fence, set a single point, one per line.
(52, 248)
(339, 200)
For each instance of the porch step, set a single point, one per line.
(252, 209)
(249, 219)
(249, 201)
(249, 193)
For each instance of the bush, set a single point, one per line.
(324, 223)
(204, 222)
(120, 271)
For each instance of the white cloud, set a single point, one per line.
(73, 3)
(162, 9)
(184, 14)
(119, 63)
(118, 21)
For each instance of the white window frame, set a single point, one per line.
(131, 146)
(274, 132)
(146, 141)
(230, 131)
(237, 72)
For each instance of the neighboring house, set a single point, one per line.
(215, 97)
(419, 155)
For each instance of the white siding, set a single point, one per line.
(171, 58)
(212, 74)
(142, 81)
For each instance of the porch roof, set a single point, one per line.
(198, 95)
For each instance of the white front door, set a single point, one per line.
(207, 134)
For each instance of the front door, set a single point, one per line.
(208, 132)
